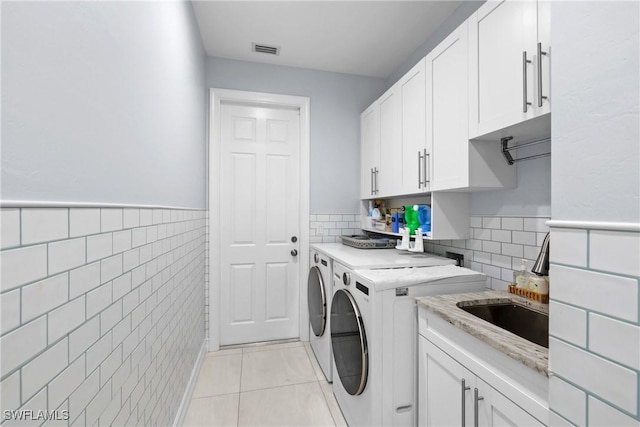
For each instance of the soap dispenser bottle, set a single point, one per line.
(520, 277)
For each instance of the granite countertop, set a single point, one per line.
(532, 355)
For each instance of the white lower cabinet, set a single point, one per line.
(451, 395)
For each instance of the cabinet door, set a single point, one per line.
(444, 388)
(501, 82)
(413, 165)
(496, 410)
(387, 179)
(369, 149)
(447, 106)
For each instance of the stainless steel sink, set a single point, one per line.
(515, 318)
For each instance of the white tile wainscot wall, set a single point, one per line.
(102, 312)
(327, 228)
(594, 327)
(497, 246)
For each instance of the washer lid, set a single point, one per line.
(349, 342)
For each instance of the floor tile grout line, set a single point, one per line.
(240, 388)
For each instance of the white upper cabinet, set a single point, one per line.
(388, 176)
(369, 150)
(457, 163)
(509, 73)
(415, 154)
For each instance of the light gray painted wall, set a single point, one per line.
(103, 102)
(596, 154)
(336, 103)
(458, 16)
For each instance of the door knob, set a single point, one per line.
(294, 239)
(294, 252)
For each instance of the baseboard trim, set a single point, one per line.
(186, 397)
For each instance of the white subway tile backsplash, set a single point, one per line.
(613, 383)
(22, 265)
(10, 392)
(501, 236)
(556, 420)
(611, 295)
(143, 324)
(111, 219)
(43, 296)
(474, 244)
(616, 340)
(491, 222)
(491, 271)
(530, 253)
(84, 279)
(35, 404)
(567, 400)
(98, 299)
(19, 345)
(335, 218)
(568, 323)
(10, 228)
(501, 261)
(476, 222)
(569, 247)
(131, 218)
(10, 310)
(152, 233)
(66, 318)
(110, 316)
(482, 234)
(121, 241)
(99, 246)
(84, 222)
(110, 268)
(98, 352)
(482, 257)
(493, 247)
(157, 216)
(536, 224)
(146, 217)
(98, 404)
(37, 373)
(121, 286)
(512, 223)
(66, 254)
(83, 337)
(524, 238)
(512, 250)
(603, 415)
(43, 225)
(625, 259)
(64, 384)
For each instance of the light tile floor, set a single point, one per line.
(270, 385)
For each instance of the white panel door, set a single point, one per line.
(259, 200)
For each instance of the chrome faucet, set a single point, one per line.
(541, 266)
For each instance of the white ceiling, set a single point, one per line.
(370, 38)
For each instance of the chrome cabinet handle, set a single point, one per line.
(525, 61)
(375, 174)
(426, 175)
(476, 399)
(372, 189)
(540, 53)
(419, 169)
(464, 400)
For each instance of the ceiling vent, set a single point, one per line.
(263, 48)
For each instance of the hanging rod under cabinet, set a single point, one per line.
(506, 149)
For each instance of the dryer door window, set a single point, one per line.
(349, 342)
(316, 298)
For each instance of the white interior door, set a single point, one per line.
(259, 216)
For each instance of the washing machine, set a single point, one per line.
(319, 294)
(374, 337)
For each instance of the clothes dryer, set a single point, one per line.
(319, 294)
(374, 335)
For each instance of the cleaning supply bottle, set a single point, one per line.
(520, 277)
